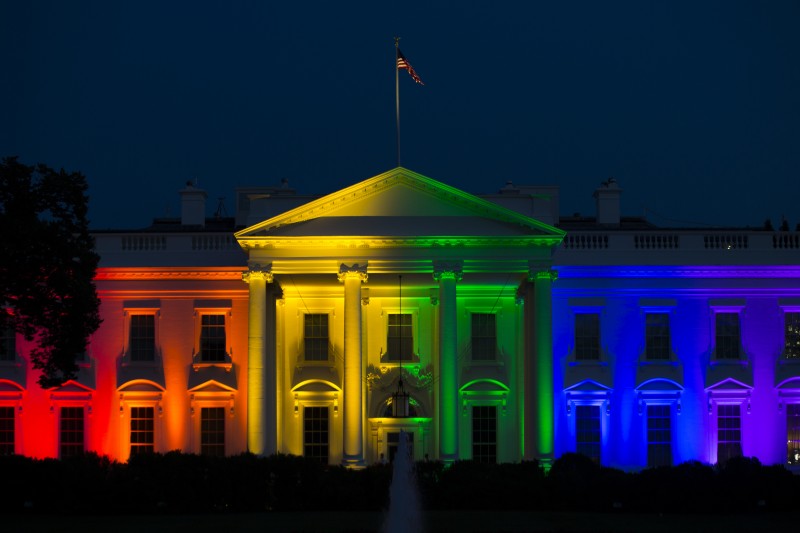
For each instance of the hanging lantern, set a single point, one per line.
(400, 402)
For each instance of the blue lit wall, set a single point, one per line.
(694, 382)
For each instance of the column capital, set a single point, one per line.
(257, 271)
(448, 270)
(541, 272)
(352, 271)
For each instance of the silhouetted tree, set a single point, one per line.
(47, 265)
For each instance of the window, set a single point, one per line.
(728, 336)
(71, 431)
(657, 341)
(212, 430)
(8, 345)
(315, 337)
(587, 426)
(142, 430)
(793, 433)
(729, 432)
(792, 335)
(393, 444)
(587, 337)
(400, 337)
(484, 336)
(315, 433)
(659, 436)
(7, 431)
(212, 339)
(142, 342)
(484, 433)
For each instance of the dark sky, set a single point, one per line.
(694, 107)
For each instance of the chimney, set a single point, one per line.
(607, 197)
(193, 206)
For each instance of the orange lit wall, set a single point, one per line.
(107, 393)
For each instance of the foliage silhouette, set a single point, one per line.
(48, 266)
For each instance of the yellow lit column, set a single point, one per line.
(447, 274)
(258, 388)
(542, 406)
(352, 277)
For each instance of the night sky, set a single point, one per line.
(694, 107)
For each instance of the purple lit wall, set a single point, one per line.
(694, 381)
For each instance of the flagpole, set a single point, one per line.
(397, 93)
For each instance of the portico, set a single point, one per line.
(337, 261)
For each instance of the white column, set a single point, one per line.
(447, 274)
(258, 395)
(353, 420)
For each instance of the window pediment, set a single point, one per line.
(203, 378)
(484, 385)
(659, 385)
(588, 386)
(70, 387)
(790, 384)
(141, 385)
(729, 385)
(316, 379)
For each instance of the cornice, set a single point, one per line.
(338, 243)
(177, 273)
(700, 271)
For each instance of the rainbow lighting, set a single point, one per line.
(519, 334)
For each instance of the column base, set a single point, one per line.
(546, 462)
(448, 459)
(354, 463)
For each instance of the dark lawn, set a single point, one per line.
(440, 521)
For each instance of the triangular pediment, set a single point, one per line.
(588, 386)
(71, 386)
(212, 379)
(400, 203)
(729, 385)
(212, 385)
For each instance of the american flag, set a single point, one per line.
(402, 63)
